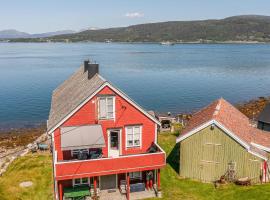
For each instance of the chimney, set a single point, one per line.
(91, 68)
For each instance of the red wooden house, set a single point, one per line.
(102, 140)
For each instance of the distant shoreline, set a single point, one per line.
(250, 108)
(173, 43)
(20, 126)
(20, 137)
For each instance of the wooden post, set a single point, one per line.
(158, 179)
(95, 185)
(60, 191)
(128, 187)
(147, 180)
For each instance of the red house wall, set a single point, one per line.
(125, 114)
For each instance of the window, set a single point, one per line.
(81, 181)
(84, 181)
(135, 175)
(106, 107)
(133, 136)
(75, 152)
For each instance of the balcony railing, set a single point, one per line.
(105, 166)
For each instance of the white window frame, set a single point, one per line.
(79, 184)
(131, 175)
(133, 145)
(106, 99)
(76, 151)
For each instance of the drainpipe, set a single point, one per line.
(265, 170)
(54, 185)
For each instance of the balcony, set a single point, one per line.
(105, 166)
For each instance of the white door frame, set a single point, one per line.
(119, 138)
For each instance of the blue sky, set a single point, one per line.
(37, 16)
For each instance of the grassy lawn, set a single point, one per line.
(33, 167)
(37, 168)
(173, 187)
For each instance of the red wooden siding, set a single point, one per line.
(125, 114)
(71, 170)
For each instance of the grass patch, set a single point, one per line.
(33, 167)
(38, 169)
(174, 187)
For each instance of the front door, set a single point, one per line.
(114, 143)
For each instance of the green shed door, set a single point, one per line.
(210, 162)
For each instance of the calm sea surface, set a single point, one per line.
(178, 78)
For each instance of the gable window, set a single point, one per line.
(133, 136)
(106, 107)
(81, 181)
(135, 175)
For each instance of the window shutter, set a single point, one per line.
(110, 107)
(102, 108)
(137, 135)
(129, 136)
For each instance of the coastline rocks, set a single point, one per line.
(9, 155)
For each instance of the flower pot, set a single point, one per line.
(159, 194)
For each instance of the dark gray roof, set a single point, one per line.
(71, 93)
(265, 115)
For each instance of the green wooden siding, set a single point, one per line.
(206, 154)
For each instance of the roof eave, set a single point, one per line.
(257, 154)
(51, 129)
(208, 123)
(241, 142)
(106, 83)
(259, 146)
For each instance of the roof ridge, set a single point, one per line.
(205, 107)
(70, 93)
(101, 77)
(217, 109)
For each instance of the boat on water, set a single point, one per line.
(108, 41)
(167, 43)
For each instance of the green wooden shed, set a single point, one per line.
(219, 140)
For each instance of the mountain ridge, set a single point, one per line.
(242, 28)
(13, 33)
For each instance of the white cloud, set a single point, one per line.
(134, 15)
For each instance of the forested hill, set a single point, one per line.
(245, 28)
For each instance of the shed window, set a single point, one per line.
(106, 107)
(133, 136)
